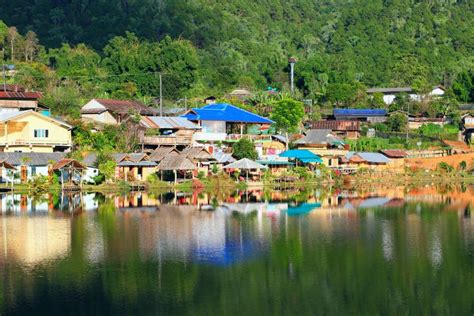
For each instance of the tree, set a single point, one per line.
(31, 46)
(398, 122)
(12, 37)
(288, 114)
(244, 148)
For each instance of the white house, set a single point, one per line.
(389, 94)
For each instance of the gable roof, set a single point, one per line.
(66, 162)
(176, 162)
(394, 153)
(161, 152)
(120, 107)
(16, 92)
(390, 90)
(359, 112)
(319, 137)
(35, 159)
(338, 125)
(167, 122)
(198, 153)
(5, 117)
(368, 157)
(225, 112)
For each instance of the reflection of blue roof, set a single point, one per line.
(374, 202)
(230, 254)
(369, 157)
(302, 209)
(360, 112)
(303, 155)
(225, 112)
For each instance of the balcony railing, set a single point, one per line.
(167, 140)
(43, 142)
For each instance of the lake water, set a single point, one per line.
(375, 250)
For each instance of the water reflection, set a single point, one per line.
(197, 252)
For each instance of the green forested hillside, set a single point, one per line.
(206, 46)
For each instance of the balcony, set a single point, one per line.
(36, 142)
(167, 140)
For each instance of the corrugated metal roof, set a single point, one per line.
(390, 90)
(4, 117)
(369, 157)
(338, 125)
(34, 159)
(225, 112)
(359, 112)
(319, 137)
(165, 122)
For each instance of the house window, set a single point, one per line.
(41, 133)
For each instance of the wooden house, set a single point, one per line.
(341, 128)
(108, 111)
(30, 131)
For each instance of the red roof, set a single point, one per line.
(394, 153)
(338, 125)
(122, 107)
(16, 92)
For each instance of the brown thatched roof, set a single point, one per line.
(63, 163)
(176, 162)
(161, 152)
(6, 165)
(197, 153)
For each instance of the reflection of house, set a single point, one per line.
(108, 111)
(29, 131)
(344, 129)
(323, 143)
(363, 115)
(32, 240)
(167, 131)
(389, 94)
(372, 161)
(31, 164)
(133, 167)
(14, 98)
(219, 120)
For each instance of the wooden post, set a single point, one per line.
(175, 176)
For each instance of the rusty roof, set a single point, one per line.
(123, 107)
(394, 153)
(338, 125)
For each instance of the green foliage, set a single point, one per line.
(244, 148)
(288, 114)
(107, 168)
(444, 166)
(397, 122)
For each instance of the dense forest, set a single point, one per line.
(75, 49)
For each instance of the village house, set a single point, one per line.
(363, 115)
(29, 131)
(397, 158)
(325, 144)
(201, 158)
(167, 131)
(30, 165)
(343, 129)
(223, 122)
(467, 123)
(107, 111)
(241, 94)
(133, 166)
(14, 98)
(367, 160)
(390, 94)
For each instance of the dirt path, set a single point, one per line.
(432, 163)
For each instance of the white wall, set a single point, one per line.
(213, 126)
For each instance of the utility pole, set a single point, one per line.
(292, 62)
(161, 96)
(185, 103)
(408, 120)
(4, 78)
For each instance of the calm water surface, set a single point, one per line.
(378, 250)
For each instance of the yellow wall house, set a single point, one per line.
(29, 131)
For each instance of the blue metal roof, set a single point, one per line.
(298, 154)
(369, 157)
(312, 160)
(360, 112)
(225, 112)
(302, 209)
